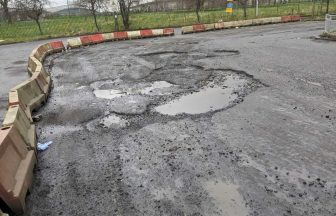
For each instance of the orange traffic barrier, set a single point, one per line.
(198, 28)
(57, 46)
(146, 33)
(120, 35)
(16, 169)
(86, 40)
(97, 38)
(286, 19)
(168, 31)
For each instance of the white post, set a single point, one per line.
(257, 7)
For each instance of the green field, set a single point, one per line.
(77, 25)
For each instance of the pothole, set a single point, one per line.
(108, 94)
(156, 87)
(227, 198)
(113, 121)
(210, 98)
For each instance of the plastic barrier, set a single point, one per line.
(97, 38)
(286, 19)
(16, 169)
(33, 63)
(86, 40)
(209, 27)
(276, 19)
(120, 35)
(146, 33)
(30, 94)
(16, 117)
(43, 80)
(295, 18)
(198, 28)
(187, 29)
(168, 32)
(108, 36)
(157, 32)
(219, 25)
(133, 34)
(74, 42)
(13, 99)
(57, 46)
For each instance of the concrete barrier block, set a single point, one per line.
(257, 21)
(168, 31)
(209, 27)
(231, 24)
(219, 25)
(295, 18)
(286, 18)
(133, 34)
(16, 117)
(187, 29)
(276, 19)
(146, 33)
(33, 63)
(267, 20)
(42, 51)
(157, 32)
(30, 94)
(43, 80)
(97, 38)
(120, 35)
(108, 36)
(198, 28)
(16, 169)
(13, 99)
(245, 22)
(86, 40)
(74, 42)
(57, 46)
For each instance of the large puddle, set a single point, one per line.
(210, 98)
(227, 198)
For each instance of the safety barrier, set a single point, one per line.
(241, 23)
(18, 133)
(115, 36)
(16, 169)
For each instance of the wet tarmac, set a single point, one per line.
(236, 122)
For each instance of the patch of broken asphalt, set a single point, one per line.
(180, 126)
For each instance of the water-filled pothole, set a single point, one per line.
(210, 98)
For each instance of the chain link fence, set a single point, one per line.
(71, 25)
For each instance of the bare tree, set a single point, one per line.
(125, 9)
(32, 9)
(199, 5)
(327, 9)
(94, 6)
(4, 4)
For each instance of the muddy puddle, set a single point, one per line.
(209, 98)
(227, 198)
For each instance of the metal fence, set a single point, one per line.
(330, 23)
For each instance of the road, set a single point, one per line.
(234, 122)
(13, 68)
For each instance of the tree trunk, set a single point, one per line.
(327, 10)
(198, 16)
(245, 7)
(7, 14)
(39, 25)
(95, 21)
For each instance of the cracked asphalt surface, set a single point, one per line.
(268, 149)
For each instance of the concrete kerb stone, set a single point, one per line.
(108, 37)
(187, 29)
(219, 25)
(157, 32)
(16, 117)
(168, 32)
(16, 169)
(209, 27)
